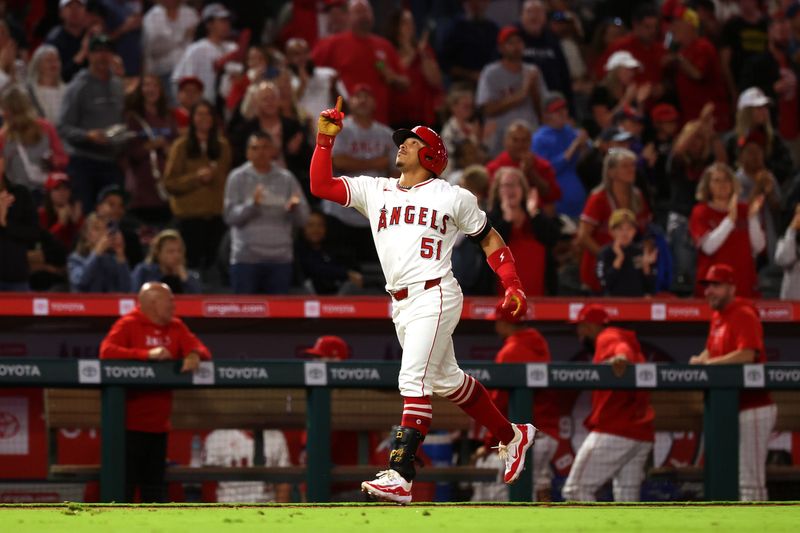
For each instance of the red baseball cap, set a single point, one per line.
(664, 113)
(330, 347)
(190, 79)
(54, 179)
(362, 87)
(719, 273)
(593, 314)
(505, 315)
(506, 33)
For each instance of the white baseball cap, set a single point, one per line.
(752, 97)
(215, 11)
(622, 58)
(63, 3)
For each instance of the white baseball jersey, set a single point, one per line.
(415, 229)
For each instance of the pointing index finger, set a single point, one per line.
(339, 103)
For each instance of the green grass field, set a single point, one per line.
(418, 518)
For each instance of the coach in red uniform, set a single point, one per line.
(524, 344)
(150, 333)
(736, 336)
(621, 422)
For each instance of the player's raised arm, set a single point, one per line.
(499, 257)
(323, 184)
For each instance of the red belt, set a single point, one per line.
(402, 294)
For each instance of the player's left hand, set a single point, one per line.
(516, 301)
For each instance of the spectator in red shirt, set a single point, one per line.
(620, 424)
(696, 70)
(644, 45)
(150, 333)
(524, 344)
(361, 56)
(537, 170)
(418, 102)
(724, 229)
(529, 233)
(190, 92)
(60, 215)
(736, 336)
(617, 191)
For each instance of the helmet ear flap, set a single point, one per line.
(426, 157)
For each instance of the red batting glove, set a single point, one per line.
(330, 124)
(502, 262)
(515, 299)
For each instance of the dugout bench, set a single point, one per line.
(334, 398)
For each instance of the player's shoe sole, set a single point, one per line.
(521, 442)
(394, 495)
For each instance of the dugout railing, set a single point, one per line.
(720, 384)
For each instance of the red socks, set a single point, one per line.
(473, 399)
(417, 414)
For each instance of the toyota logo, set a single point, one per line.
(89, 371)
(316, 373)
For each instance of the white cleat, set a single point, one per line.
(389, 486)
(513, 453)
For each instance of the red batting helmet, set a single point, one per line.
(432, 156)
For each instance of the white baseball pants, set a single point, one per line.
(425, 322)
(602, 457)
(755, 428)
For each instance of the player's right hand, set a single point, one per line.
(330, 120)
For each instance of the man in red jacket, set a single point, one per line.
(150, 332)
(621, 422)
(737, 337)
(524, 344)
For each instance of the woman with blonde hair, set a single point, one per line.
(30, 144)
(696, 147)
(45, 86)
(166, 263)
(725, 229)
(752, 115)
(616, 191)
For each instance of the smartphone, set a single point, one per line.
(112, 227)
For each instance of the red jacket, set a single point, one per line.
(528, 346)
(738, 327)
(622, 413)
(132, 337)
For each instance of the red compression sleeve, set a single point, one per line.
(323, 184)
(502, 262)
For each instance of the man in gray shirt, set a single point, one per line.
(263, 204)
(93, 102)
(509, 89)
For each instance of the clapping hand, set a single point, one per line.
(755, 206)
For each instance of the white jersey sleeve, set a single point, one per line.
(359, 191)
(469, 218)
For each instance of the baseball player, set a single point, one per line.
(736, 336)
(414, 222)
(620, 423)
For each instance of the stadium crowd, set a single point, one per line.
(618, 151)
